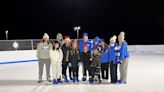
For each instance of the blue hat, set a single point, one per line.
(85, 34)
(96, 39)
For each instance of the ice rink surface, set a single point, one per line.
(145, 74)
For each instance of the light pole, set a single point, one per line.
(77, 28)
(6, 34)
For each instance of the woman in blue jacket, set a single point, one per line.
(104, 60)
(124, 55)
(113, 59)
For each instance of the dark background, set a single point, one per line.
(142, 20)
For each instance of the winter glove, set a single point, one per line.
(79, 63)
(90, 59)
(69, 64)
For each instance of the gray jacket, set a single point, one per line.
(43, 50)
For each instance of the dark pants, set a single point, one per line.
(75, 71)
(85, 69)
(113, 72)
(95, 72)
(64, 70)
(104, 70)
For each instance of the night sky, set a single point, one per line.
(142, 20)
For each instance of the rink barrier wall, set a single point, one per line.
(20, 56)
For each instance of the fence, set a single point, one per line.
(7, 45)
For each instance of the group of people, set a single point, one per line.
(95, 56)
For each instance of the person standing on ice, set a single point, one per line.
(74, 60)
(66, 48)
(86, 59)
(43, 56)
(56, 56)
(59, 38)
(112, 59)
(104, 60)
(85, 41)
(124, 58)
(96, 67)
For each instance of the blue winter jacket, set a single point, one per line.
(82, 44)
(112, 54)
(124, 51)
(105, 55)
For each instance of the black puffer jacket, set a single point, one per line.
(74, 57)
(65, 49)
(85, 58)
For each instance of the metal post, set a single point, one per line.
(7, 34)
(77, 30)
(32, 45)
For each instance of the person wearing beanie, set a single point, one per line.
(59, 38)
(124, 58)
(96, 42)
(85, 41)
(104, 60)
(112, 59)
(43, 56)
(74, 60)
(66, 49)
(86, 60)
(56, 56)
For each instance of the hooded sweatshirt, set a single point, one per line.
(43, 50)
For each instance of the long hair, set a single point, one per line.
(74, 50)
(54, 44)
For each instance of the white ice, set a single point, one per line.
(145, 74)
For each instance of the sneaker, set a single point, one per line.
(77, 80)
(100, 81)
(55, 81)
(73, 80)
(91, 81)
(84, 79)
(119, 81)
(59, 81)
(39, 81)
(122, 82)
(49, 80)
(66, 80)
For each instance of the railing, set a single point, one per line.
(31, 44)
(7, 45)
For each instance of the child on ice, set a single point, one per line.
(56, 56)
(86, 60)
(95, 66)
